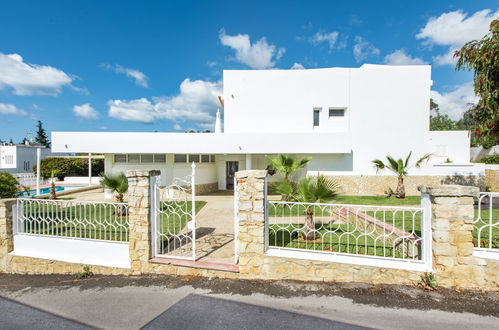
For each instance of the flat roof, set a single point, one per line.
(202, 143)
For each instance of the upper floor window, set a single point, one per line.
(317, 114)
(336, 112)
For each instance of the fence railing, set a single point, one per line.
(395, 233)
(486, 224)
(75, 219)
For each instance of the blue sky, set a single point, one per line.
(157, 65)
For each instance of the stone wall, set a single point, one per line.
(452, 217)
(376, 185)
(492, 180)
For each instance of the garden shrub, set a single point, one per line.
(490, 159)
(69, 167)
(8, 185)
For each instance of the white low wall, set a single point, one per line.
(80, 180)
(90, 252)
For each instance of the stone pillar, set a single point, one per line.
(6, 235)
(251, 219)
(139, 209)
(452, 225)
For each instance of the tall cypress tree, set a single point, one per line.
(41, 135)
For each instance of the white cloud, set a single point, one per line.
(454, 29)
(139, 77)
(329, 37)
(30, 79)
(400, 57)
(177, 127)
(10, 109)
(259, 55)
(455, 102)
(363, 49)
(85, 111)
(297, 66)
(197, 102)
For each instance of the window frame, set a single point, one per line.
(337, 109)
(317, 110)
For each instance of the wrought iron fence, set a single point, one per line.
(378, 231)
(486, 224)
(61, 218)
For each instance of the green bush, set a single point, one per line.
(69, 167)
(491, 159)
(8, 185)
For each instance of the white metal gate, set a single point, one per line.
(173, 217)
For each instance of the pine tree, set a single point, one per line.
(41, 135)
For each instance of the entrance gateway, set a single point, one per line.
(174, 231)
(173, 217)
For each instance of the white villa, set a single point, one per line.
(20, 158)
(342, 118)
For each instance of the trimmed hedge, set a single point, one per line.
(69, 167)
(491, 159)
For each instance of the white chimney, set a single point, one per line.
(218, 123)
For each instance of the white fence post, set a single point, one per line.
(193, 210)
(426, 231)
(153, 216)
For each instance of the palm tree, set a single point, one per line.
(117, 183)
(287, 165)
(401, 168)
(313, 189)
(53, 174)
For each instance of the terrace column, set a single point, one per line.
(452, 216)
(139, 208)
(248, 161)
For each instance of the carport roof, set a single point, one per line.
(202, 143)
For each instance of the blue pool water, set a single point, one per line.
(43, 191)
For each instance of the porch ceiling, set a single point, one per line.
(207, 143)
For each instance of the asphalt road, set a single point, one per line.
(38, 302)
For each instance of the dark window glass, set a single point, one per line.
(317, 113)
(205, 158)
(194, 158)
(180, 158)
(336, 112)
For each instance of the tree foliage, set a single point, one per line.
(8, 185)
(482, 56)
(69, 167)
(287, 165)
(401, 168)
(440, 122)
(41, 135)
(117, 183)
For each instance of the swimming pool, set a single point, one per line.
(44, 191)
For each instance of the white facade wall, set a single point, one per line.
(20, 158)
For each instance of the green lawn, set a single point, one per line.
(97, 221)
(377, 200)
(343, 238)
(407, 220)
(92, 221)
(174, 216)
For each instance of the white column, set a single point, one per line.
(38, 164)
(248, 161)
(89, 169)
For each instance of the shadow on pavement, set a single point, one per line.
(201, 312)
(15, 315)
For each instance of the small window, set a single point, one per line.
(160, 158)
(194, 158)
(120, 158)
(317, 114)
(205, 158)
(180, 158)
(336, 113)
(134, 158)
(146, 158)
(212, 158)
